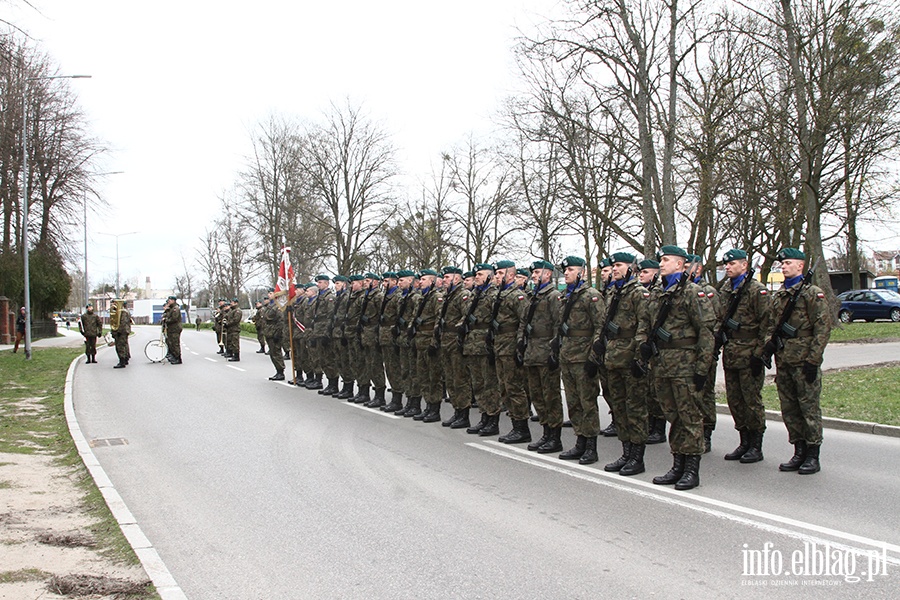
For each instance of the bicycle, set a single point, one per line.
(157, 350)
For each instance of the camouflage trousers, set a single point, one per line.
(275, 354)
(511, 380)
(219, 339)
(744, 393)
(285, 341)
(429, 375)
(90, 345)
(681, 406)
(581, 399)
(483, 378)
(646, 389)
(260, 338)
(173, 342)
(459, 384)
(122, 349)
(628, 404)
(299, 355)
(708, 398)
(355, 360)
(373, 370)
(543, 385)
(323, 357)
(341, 350)
(390, 354)
(800, 407)
(233, 341)
(408, 370)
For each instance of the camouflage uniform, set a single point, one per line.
(481, 373)
(428, 309)
(270, 320)
(123, 350)
(91, 328)
(233, 331)
(512, 307)
(584, 322)
(354, 348)
(172, 318)
(408, 374)
(258, 325)
(451, 358)
(323, 362)
(708, 397)
(799, 361)
(372, 361)
(745, 342)
(296, 337)
(390, 352)
(218, 326)
(543, 382)
(339, 343)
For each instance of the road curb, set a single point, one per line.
(832, 423)
(166, 586)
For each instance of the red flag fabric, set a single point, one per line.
(284, 288)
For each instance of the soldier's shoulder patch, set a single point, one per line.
(820, 295)
(701, 294)
(520, 297)
(646, 294)
(763, 292)
(465, 297)
(440, 298)
(710, 294)
(595, 298)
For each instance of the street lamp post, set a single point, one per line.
(25, 176)
(117, 236)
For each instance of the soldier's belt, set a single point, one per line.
(803, 333)
(622, 333)
(507, 329)
(750, 333)
(581, 332)
(542, 332)
(679, 343)
(425, 328)
(481, 328)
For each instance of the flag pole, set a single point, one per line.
(290, 312)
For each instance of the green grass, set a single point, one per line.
(41, 428)
(870, 394)
(23, 575)
(861, 331)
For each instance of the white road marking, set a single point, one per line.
(718, 508)
(195, 353)
(380, 413)
(210, 359)
(236, 368)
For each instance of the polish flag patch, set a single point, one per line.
(820, 295)
(701, 295)
(646, 294)
(594, 298)
(763, 292)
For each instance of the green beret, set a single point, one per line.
(468, 274)
(524, 272)
(308, 284)
(794, 253)
(89, 305)
(451, 270)
(542, 264)
(572, 261)
(405, 273)
(271, 289)
(622, 257)
(484, 267)
(734, 254)
(224, 300)
(504, 264)
(648, 263)
(323, 278)
(235, 301)
(355, 277)
(338, 278)
(389, 275)
(172, 298)
(429, 272)
(605, 262)
(673, 251)
(371, 275)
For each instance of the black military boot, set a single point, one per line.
(462, 421)
(227, 354)
(316, 383)
(405, 408)
(520, 433)
(262, 349)
(235, 357)
(492, 427)
(347, 392)
(617, 464)
(121, 365)
(610, 431)
(221, 350)
(480, 425)
(553, 444)
(452, 418)
(331, 388)
(798, 459)
(691, 476)
(378, 401)
(395, 404)
(742, 448)
(421, 416)
(590, 452)
(279, 376)
(435, 415)
(635, 462)
(415, 407)
(754, 452)
(657, 430)
(576, 451)
(674, 474)
(707, 439)
(545, 437)
(811, 464)
(363, 396)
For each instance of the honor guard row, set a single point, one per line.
(650, 338)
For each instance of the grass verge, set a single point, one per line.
(861, 394)
(861, 332)
(32, 421)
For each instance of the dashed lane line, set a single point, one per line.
(236, 368)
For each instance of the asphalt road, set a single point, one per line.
(254, 489)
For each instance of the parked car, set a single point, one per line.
(869, 305)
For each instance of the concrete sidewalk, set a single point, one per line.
(67, 338)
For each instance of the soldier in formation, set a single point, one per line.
(171, 319)
(91, 327)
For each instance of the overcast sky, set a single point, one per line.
(177, 86)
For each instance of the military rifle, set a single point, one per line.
(363, 319)
(784, 330)
(463, 330)
(441, 322)
(417, 320)
(400, 325)
(728, 323)
(649, 348)
(493, 327)
(522, 346)
(599, 347)
(563, 331)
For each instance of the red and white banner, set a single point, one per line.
(284, 288)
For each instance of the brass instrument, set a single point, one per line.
(115, 313)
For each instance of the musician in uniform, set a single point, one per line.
(257, 323)
(218, 325)
(797, 338)
(233, 331)
(120, 327)
(171, 319)
(91, 327)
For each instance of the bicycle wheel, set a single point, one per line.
(156, 350)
